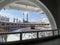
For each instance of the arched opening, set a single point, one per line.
(35, 3)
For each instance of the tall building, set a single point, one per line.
(14, 20)
(17, 20)
(25, 18)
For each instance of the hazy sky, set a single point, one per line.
(33, 17)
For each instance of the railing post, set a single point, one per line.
(37, 34)
(20, 36)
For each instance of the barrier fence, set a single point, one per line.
(20, 36)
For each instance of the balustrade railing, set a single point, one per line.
(20, 36)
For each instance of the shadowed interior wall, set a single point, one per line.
(58, 5)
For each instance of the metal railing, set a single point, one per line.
(31, 34)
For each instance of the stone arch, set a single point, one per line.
(38, 3)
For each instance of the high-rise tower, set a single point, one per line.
(25, 18)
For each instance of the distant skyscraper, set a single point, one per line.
(17, 20)
(25, 18)
(13, 19)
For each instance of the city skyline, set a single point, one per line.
(32, 16)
